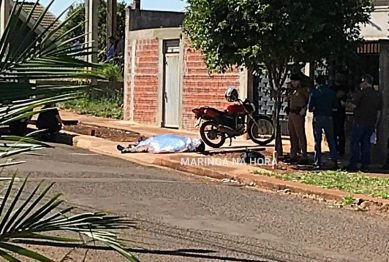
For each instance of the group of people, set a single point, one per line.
(328, 105)
(115, 48)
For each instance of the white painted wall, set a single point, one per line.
(378, 26)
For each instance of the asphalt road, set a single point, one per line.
(184, 218)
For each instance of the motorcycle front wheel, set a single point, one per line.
(261, 131)
(208, 136)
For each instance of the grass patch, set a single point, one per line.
(351, 183)
(110, 107)
(348, 200)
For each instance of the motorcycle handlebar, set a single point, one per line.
(244, 101)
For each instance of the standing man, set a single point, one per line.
(339, 116)
(297, 98)
(323, 102)
(367, 106)
(119, 49)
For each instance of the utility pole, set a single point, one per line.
(91, 30)
(5, 10)
(111, 18)
(136, 5)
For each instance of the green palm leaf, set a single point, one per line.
(48, 55)
(24, 58)
(34, 219)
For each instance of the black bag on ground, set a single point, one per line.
(252, 157)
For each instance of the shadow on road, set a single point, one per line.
(189, 253)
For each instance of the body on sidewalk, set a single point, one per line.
(367, 106)
(322, 102)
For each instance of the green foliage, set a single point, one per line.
(351, 183)
(110, 106)
(33, 57)
(35, 216)
(79, 20)
(348, 200)
(111, 72)
(250, 32)
(30, 57)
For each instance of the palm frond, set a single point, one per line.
(16, 145)
(38, 56)
(34, 219)
(30, 56)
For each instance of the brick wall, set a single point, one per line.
(146, 81)
(127, 79)
(201, 89)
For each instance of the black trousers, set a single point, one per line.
(51, 129)
(339, 132)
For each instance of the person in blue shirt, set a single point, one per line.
(322, 102)
(111, 49)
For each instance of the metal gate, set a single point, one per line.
(172, 92)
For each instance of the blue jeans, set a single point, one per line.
(326, 123)
(360, 145)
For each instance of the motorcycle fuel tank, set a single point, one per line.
(235, 110)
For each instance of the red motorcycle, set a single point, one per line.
(235, 120)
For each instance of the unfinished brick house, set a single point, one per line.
(165, 79)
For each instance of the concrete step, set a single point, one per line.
(65, 122)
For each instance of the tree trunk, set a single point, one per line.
(276, 80)
(278, 140)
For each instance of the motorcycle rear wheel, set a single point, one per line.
(205, 136)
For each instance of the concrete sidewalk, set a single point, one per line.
(152, 130)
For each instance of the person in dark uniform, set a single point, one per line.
(339, 116)
(50, 120)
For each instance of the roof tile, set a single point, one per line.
(47, 20)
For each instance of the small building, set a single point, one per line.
(164, 78)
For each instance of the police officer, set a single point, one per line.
(297, 99)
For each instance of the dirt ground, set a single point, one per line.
(116, 135)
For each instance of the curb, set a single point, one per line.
(268, 182)
(265, 182)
